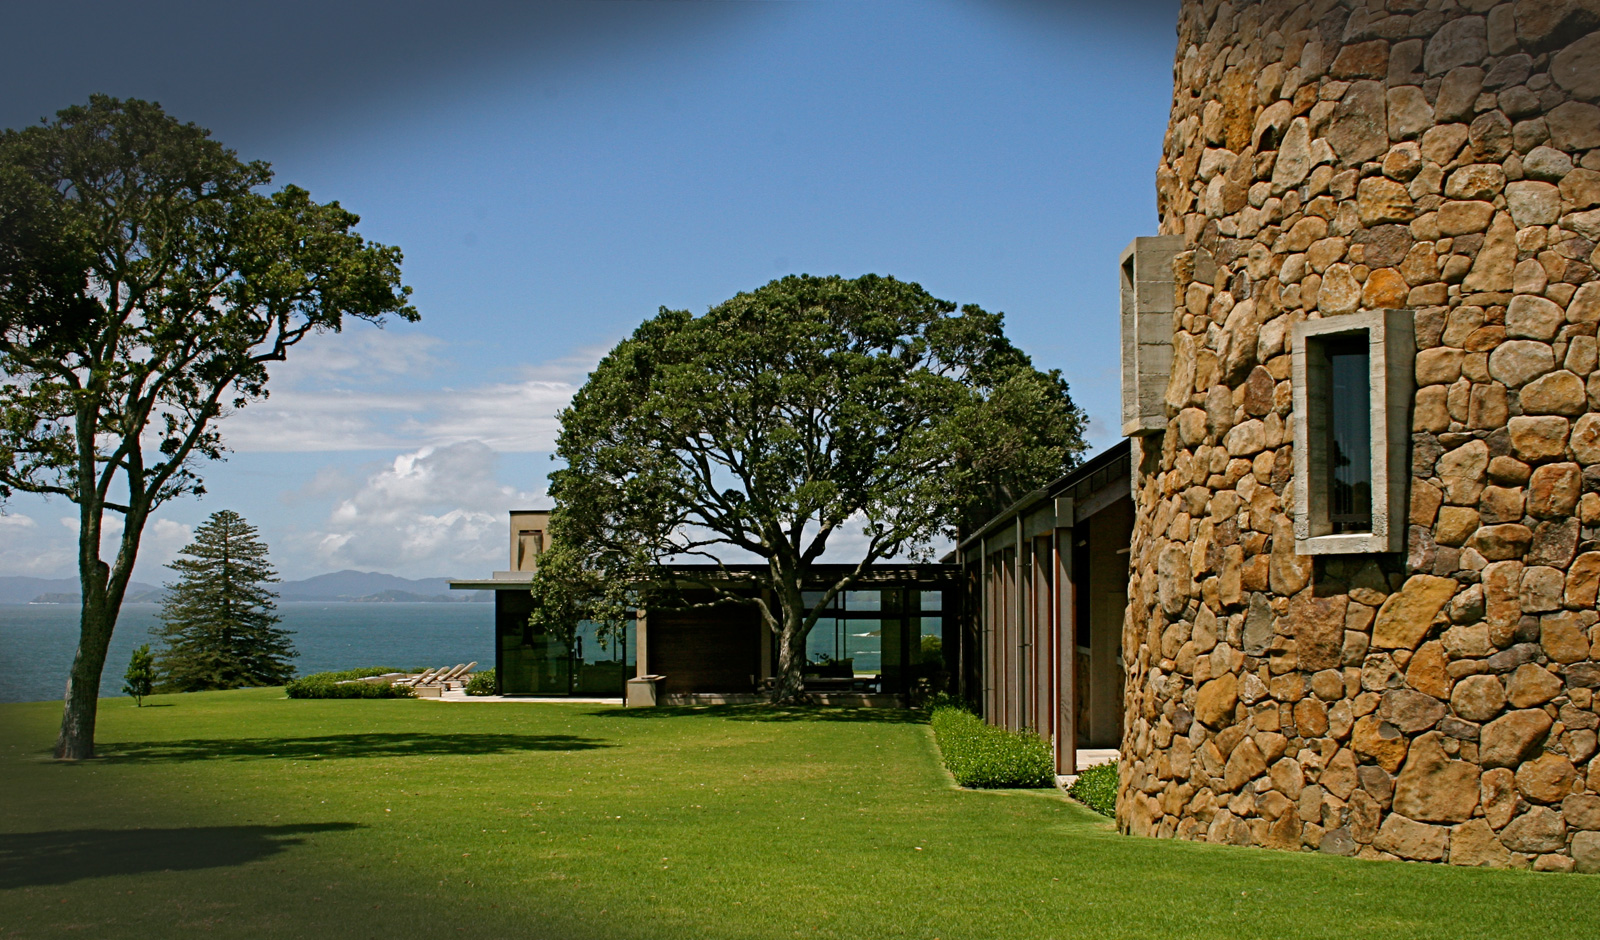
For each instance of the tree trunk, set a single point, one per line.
(790, 686)
(103, 588)
(76, 740)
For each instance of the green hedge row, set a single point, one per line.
(983, 756)
(1096, 788)
(327, 685)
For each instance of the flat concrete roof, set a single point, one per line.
(490, 584)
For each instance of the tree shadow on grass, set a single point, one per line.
(776, 713)
(34, 859)
(342, 746)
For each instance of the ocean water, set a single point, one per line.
(37, 640)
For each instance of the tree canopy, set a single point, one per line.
(218, 626)
(147, 282)
(783, 416)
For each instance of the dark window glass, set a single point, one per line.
(538, 663)
(1349, 446)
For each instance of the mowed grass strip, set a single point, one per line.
(244, 814)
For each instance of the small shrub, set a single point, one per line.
(328, 685)
(945, 700)
(983, 756)
(481, 683)
(140, 678)
(1096, 788)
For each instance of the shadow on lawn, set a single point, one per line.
(904, 716)
(33, 859)
(338, 746)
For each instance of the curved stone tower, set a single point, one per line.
(1362, 618)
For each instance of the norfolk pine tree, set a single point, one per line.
(146, 284)
(779, 418)
(218, 626)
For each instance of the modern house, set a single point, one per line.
(894, 634)
(534, 664)
(1336, 591)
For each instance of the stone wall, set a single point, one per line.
(1325, 157)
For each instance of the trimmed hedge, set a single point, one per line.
(481, 683)
(982, 756)
(1096, 788)
(328, 685)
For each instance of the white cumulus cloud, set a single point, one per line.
(431, 511)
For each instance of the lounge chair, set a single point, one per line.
(419, 679)
(444, 679)
(462, 675)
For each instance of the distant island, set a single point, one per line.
(407, 597)
(361, 587)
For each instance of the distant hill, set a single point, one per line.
(363, 586)
(407, 597)
(369, 586)
(23, 590)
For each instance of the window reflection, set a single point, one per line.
(893, 637)
(540, 664)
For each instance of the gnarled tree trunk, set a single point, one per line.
(789, 689)
(792, 629)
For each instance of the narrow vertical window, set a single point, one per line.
(1349, 445)
(1352, 395)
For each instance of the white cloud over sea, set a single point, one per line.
(47, 550)
(430, 511)
(364, 455)
(386, 390)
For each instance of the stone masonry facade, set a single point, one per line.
(1440, 703)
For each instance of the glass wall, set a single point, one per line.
(532, 663)
(893, 638)
(601, 665)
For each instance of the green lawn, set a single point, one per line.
(243, 814)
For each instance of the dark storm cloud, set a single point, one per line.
(264, 68)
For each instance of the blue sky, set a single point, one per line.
(555, 172)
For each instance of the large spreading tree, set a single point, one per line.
(219, 628)
(783, 417)
(147, 282)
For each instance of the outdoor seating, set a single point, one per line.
(419, 678)
(443, 676)
(458, 676)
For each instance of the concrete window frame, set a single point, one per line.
(1391, 346)
(1148, 292)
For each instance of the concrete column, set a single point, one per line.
(641, 645)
